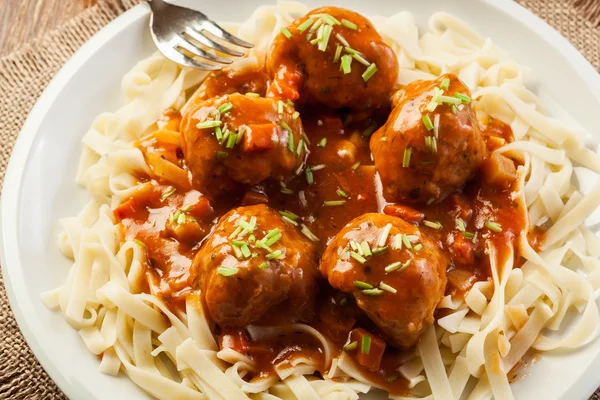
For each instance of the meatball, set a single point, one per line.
(306, 61)
(431, 143)
(238, 139)
(253, 261)
(398, 286)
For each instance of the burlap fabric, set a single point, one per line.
(24, 74)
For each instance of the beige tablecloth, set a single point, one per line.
(23, 76)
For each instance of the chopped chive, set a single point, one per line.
(316, 25)
(289, 214)
(309, 176)
(275, 255)
(305, 25)
(299, 147)
(354, 245)
(167, 193)
(397, 243)
(445, 83)
(295, 115)
(308, 233)
(287, 191)
(365, 248)
(355, 166)
(343, 301)
(261, 245)
(350, 346)
(370, 129)
(365, 344)
(342, 193)
(362, 285)
(240, 134)
(432, 105)
(346, 64)
(251, 238)
(252, 94)
(291, 141)
(435, 225)
(329, 19)
(186, 208)
(343, 41)
(380, 250)
(418, 247)
(227, 271)
(235, 233)
(338, 53)
(361, 60)
(454, 109)
(286, 32)
(360, 249)
(351, 51)
(372, 292)
(246, 251)
(139, 243)
(334, 203)
(239, 243)
(225, 107)
(436, 125)
(430, 200)
(291, 221)
(369, 72)
(392, 378)
(263, 265)
(325, 39)
(434, 144)
(306, 139)
(406, 158)
(460, 224)
(318, 167)
(463, 97)
(449, 100)
(231, 140)
(427, 122)
(394, 266)
(219, 134)
(406, 241)
(494, 226)
(272, 232)
(343, 253)
(358, 257)
(272, 240)
(280, 106)
(349, 25)
(285, 125)
(208, 124)
(181, 219)
(468, 235)
(238, 252)
(384, 235)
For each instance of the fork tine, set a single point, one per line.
(184, 43)
(177, 56)
(221, 33)
(199, 37)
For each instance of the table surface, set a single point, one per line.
(24, 20)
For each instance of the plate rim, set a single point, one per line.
(583, 386)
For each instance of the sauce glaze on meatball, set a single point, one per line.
(397, 285)
(302, 69)
(240, 284)
(419, 160)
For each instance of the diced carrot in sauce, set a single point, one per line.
(259, 137)
(462, 249)
(499, 171)
(233, 339)
(405, 212)
(251, 198)
(369, 350)
(127, 209)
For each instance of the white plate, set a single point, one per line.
(39, 188)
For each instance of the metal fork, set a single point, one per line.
(175, 29)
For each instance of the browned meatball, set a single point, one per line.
(419, 160)
(244, 272)
(312, 69)
(398, 287)
(249, 140)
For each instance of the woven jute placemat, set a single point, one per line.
(25, 74)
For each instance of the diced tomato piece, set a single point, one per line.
(200, 206)
(235, 339)
(259, 137)
(462, 249)
(127, 209)
(499, 171)
(405, 212)
(286, 83)
(369, 350)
